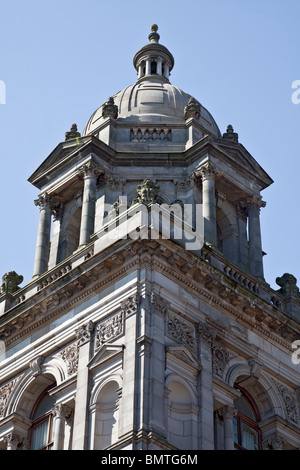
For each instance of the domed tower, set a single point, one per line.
(152, 113)
(148, 323)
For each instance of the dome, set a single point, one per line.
(152, 100)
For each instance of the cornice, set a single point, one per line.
(196, 274)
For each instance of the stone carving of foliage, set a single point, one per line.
(180, 331)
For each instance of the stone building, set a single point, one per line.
(148, 323)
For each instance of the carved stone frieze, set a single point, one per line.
(206, 333)
(84, 333)
(109, 329)
(5, 392)
(183, 184)
(289, 398)
(130, 306)
(181, 331)
(159, 304)
(220, 359)
(150, 134)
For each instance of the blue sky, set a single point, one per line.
(60, 60)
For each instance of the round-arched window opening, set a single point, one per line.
(153, 67)
(247, 434)
(41, 432)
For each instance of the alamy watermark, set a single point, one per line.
(181, 222)
(296, 353)
(2, 92)
(296, 93)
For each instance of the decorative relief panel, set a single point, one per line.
(130, 306)
(181, 331)
(70, 357)
(5, 392)
(159, 304)
(220, 358)
(141, 135)
(290, 401)
(109, 329)
(84, 333)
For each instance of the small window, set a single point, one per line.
(247, 434)
(41, 434)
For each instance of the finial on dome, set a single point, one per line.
(230, 135)
(154, 36)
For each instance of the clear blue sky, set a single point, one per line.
(60, 60)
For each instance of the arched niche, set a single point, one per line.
(104, 416)
(182, 415)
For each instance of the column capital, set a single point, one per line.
(204, 172)
(255, 201)
(89, 169)
(43, 201)
(56, 207)
(208, 170)
(241, 209)
(62, 411)
(13, 440)
(226, 412)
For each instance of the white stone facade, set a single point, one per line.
(132, 336)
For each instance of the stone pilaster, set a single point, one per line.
(205, 387)
(255, 247)
(129, 411)
(43, 238)
(80, 429)
(159, 310)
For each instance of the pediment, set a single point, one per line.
(106, 353)
(237, 155)
(67, 155)
(185, 356)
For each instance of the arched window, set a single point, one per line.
(247, 434)
(153, 67)
(41, 433)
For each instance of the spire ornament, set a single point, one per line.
(192, 110)
(10, 282)
(72, 133)
(110, 109)
(154, 36)
(230, 134)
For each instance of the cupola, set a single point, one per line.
(153, 59)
